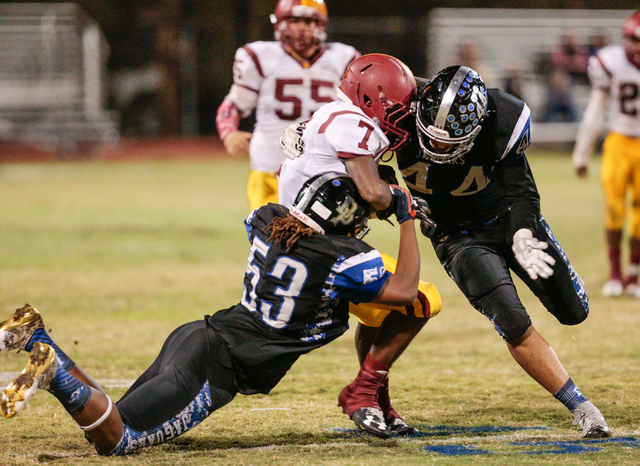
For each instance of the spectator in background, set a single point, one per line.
(284, 80)
(514, 80)
(596, 42)
(469, 55)
(560, 106)
(571, 57)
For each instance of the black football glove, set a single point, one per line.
(427, 226)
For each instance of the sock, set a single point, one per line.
(42, 336)
(570, 395)
(613, 244)
(73, 394)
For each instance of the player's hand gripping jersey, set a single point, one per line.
(294, 302)
(283, 90)
(492, 177)
(337, 131)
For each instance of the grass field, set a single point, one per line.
(116, 255)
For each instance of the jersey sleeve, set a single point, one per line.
(359, 278)
(514, 128)
(247, 80)
(599, 76)
(353, 135)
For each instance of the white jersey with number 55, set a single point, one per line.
(336, 132)
(283, 90)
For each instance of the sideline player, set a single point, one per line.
(373, 114)
(306, 264)
(283, 81)
(615, 79)
(468, 163)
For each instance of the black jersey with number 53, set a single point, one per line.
(488, 179)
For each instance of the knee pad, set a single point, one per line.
(505, 311)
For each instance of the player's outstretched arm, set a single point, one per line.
(589, 130)
(402, 287)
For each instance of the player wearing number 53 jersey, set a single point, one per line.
(615, 78)
(305, 265)
(283, 81)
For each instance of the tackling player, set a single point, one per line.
(468, 162)
(284, 80)
(615, 78)
(373, 114)
(306, 264)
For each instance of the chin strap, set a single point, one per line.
(102, 418)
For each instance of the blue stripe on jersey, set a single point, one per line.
(520, 138)
(247, 223)
(359, 278)
(578, 284)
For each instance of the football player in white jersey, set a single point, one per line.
(373, 115)
(615, 77)
(284, 80)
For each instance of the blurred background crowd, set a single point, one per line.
(77, 75)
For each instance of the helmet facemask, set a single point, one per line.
(384, 88)
(450, 113)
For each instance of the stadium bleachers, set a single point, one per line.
(508, 37)
(52, 78)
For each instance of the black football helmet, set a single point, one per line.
(331, 204)
(451, 109)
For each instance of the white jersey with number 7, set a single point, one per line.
(337, 131)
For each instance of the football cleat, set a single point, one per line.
(612, 288)
(372, 421)
(590, 421)
(632, 289)
(16, 332)
(392, 418)
(39, 372)
(398, 427)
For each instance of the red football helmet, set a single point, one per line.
(631, 34)
(385, 90)
(311, 9)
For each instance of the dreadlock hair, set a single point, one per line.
(288, 230)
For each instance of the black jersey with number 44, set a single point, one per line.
(490, 179)
(293, 302)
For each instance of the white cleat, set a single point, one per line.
(590, 421)
(612, 288)
(632, 289)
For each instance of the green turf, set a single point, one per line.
(116, 255)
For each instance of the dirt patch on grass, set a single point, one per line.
(126, 149)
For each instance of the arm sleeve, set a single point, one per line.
(522, 193)
(360, 278)
(590, 127)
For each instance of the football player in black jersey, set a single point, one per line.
(305, 265)
(468, 162)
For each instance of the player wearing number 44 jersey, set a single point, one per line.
(615, 78)
(283, 81)
(305, 265)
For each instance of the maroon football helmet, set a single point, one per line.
(385, 90)
(290, 36)
(631, 34)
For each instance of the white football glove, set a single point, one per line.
(291, 142)
(530, 255)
